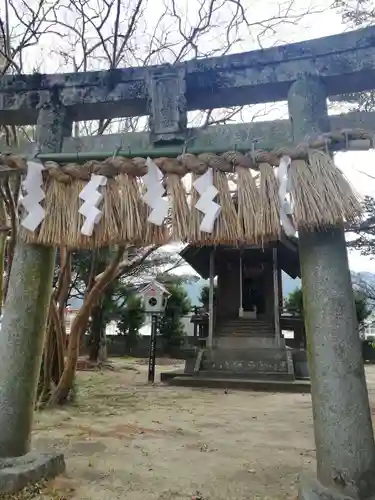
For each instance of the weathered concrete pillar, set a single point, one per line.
(344, 439)
(25, 313)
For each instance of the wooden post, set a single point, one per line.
(276, 297)
(211, 300)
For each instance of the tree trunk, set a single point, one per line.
(54, 345)
(53, 358)
(103, 355)
(96, 333)
(79, 325)
(12, 191)
(3, 246)
(113, 270)
(3, 243)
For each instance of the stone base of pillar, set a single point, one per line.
(18, 472)
(312, 489)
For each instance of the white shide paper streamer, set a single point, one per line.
(208, 192)
(154, 194)
(35, 194)
(286, 210)
(92, 198)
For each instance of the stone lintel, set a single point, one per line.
(345, 63)
(268, 135)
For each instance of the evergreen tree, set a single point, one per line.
(204, 296)
(294, 304)
(171, 327)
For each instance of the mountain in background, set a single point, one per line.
(365, 276)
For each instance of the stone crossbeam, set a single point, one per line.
(345, 63)
(266, 134)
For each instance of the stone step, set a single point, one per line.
(244, 331)
(225, 383)
(251, 323)
(254, 324)
(230, 333)
(234, 333)
(245, 327)
(248, 323)
(234, 342)
(272, 375)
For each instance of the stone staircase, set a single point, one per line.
(245, 327)
(246, 333)
(243, 349)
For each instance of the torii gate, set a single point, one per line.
(304, 74)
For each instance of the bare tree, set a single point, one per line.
(107, 34)
(22, 25)
(357, 14)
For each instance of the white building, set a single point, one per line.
(369, 329)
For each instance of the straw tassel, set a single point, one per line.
(63, 222)
(153, 233)
(129, 210)
(268, 224)
(322, 195)
(248, 204)
(54, 228)
(179, 209)
(198, 168)
(306, 206)
(247, 195)
(337, 188)
(227, 229)
(180, 213)
(127, 203)
(75, 239)
(106, 232)
(196, 216)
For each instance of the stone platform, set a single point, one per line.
(237, 360)
(18, 472)
(231, 364)
(181, 379)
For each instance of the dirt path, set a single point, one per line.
(126, 439)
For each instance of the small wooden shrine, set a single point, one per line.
(245, 321)
(249, 285)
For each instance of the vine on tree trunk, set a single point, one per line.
(55, 339)
(61, 393)
(57, 375)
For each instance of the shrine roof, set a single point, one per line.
(198, 257)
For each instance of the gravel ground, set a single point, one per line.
(126, 439)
